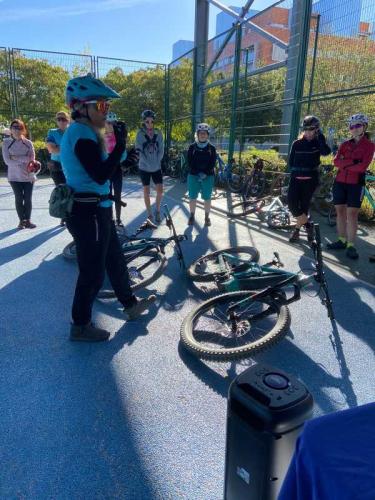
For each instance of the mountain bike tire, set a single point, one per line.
(190, 333)
(195, 275)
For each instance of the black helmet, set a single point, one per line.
(148, 113)
(310, 122)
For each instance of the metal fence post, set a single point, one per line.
(313, 63)
(244, 104)
(236, 79)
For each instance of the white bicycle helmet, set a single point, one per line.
(358, 118)
(203, 127)
(111, 117)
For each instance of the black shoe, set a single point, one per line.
(336, 245)
(88, 333)
(351, 252)
(139, 307)
(119, 223)
(21, 225)
(207, 221)
(310, 231)
(372, 258)
(294, 237)
(191, 220)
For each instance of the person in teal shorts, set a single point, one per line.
(201, 159)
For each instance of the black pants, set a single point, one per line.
(58, 177)
(98, 251)
(23, 192)
(299, 195)
(116, 190)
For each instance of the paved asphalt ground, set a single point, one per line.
(138, 417)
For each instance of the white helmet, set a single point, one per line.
(203, 127)
(358, 118)
(111, 117)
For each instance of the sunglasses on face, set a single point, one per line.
(16, 127)
(310, 129)
(101, 106)
(356, 125)
(149, 121)
(61, 119)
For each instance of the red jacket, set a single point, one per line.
(352, 159)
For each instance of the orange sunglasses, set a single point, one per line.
(101, 106)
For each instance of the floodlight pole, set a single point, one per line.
(200, 49)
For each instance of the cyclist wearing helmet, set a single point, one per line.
(88, 168)
(304, 160)
(352, 160)
(149, 145)
(201, 160)
(116, 179)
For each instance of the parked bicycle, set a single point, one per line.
(242, 321)
(145, 257)
(229, 175)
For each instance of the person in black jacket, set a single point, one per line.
(304, 161)
(201, 160)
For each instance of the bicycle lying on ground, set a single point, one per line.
(272, 208)
(242, 321)
(145, 257)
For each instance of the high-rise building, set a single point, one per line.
(225, 21)
(181, 47)
(338, 18)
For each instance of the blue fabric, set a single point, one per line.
(202, 144)
(334, 458)
(55, 136)
(76, 176)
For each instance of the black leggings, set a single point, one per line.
(299, 195)
(98, 251)
(23, 192)
(116, 190)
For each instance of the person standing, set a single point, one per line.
(53, 142)
(18, 152)
(304, 161)
(88, 170)
(352, 160)
(150, 146)
(201, 159)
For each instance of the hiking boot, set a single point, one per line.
(157, 217)
(351, 252)
(207, 221)
(21, 225)
(29, 225)
(139, 307)
(294, 236)
(191, 220)
(336, 245)
(310, 232)
(88, 333)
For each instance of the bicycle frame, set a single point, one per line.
(286, 278)
(368, 194)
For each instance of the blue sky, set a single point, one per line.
(130, 29)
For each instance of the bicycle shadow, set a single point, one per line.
(69, 390)
(22, 248)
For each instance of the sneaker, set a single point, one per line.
(119, 223)
(310, 231)
(157, 217)
(29, 225)
(88, 333)
(294, 236)
(191, 220)
(207, 221)
(351, 252)
(62, 222)
(139, 307)
(21, 225)
(150, 217)
(336, 245)
(372, 258)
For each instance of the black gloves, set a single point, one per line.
(355, 162)
(121, 133)
(131, 159)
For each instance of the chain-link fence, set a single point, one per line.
(32, 86)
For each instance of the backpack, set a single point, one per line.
(61, 201)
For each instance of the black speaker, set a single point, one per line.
(266, 411)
